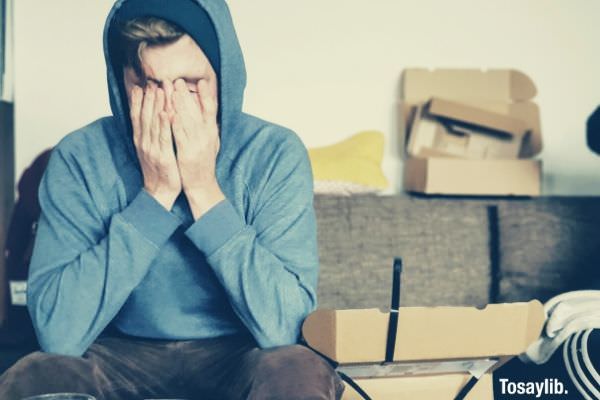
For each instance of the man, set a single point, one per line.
(182, 223)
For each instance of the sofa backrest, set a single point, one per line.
(444, 246)
(455, 251)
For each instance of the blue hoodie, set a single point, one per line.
(107, 252)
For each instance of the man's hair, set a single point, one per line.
(138, 33)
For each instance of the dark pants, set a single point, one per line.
(230, 367)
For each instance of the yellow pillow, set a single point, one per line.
(350, 166)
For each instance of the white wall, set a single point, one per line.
(330, 68)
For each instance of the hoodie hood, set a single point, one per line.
(230, 69)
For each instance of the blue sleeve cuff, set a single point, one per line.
(150, 218)
(213, 229)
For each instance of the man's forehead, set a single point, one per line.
(181, 59)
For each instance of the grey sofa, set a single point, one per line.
(455, 251)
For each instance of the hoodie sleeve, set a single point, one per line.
(84, 266)
(269, 268)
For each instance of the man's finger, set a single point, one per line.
(178, 131)
(208, 101)
(135, 112)
(187, 112)
(147, 112)
(166, 138)
(159, 105)
(179, 93)
(187, 99)
(167, 86)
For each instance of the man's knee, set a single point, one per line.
(34, 364)
(290, 357)
(296, 372)
(38, 373)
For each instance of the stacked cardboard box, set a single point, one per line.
(471, 132)
(437, 349)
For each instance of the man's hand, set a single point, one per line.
(154, 144)
(197, 139)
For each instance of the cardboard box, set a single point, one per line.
(499, 101)
(438, 175)
(429, 336)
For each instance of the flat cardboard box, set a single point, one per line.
(455, 129)
(508, 92)
(425, 335)
(442, 176)
(431, 387)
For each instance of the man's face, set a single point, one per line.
(163, 65)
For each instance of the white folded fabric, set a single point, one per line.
(566, 314)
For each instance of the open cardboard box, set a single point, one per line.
(426, 336)
(496, 164)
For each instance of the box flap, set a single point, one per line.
(507, 85)
(425, 333)
(478, 116)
